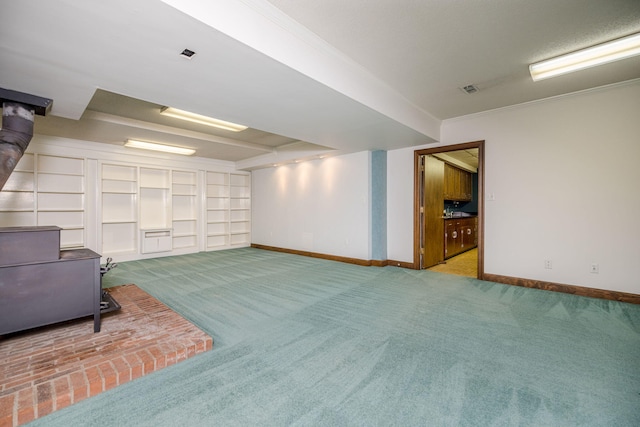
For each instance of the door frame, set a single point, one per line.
(418, 191)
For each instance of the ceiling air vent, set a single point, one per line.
(469, 89)
(187, 53)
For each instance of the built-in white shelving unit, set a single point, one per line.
(217, 210)
(155, 198)
(240, 209)
(60, 186)
(129, 211)
(119, 209)
(17, 198)
(155, 210)
(185, 209)
(47, 190)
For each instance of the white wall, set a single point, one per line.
(400, 175)
(318, 206)
(566, 181)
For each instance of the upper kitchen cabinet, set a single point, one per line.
(457, 184)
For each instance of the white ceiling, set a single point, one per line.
(306, 76)
(465, 159)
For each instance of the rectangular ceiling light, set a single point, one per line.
(586, 58)
(159, 147)
(203, 120)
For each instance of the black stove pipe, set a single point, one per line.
(18, 111)
(16, 133)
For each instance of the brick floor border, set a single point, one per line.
(47, 369)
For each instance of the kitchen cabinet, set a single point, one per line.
(457, 184)
(451, 238)
(461, 234)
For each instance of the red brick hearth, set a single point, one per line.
(46, 369)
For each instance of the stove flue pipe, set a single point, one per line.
(18, 111)
(16, 133)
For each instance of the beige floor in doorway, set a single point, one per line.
(465, 264)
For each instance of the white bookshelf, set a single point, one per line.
(17, 198)
(47, 190)
(217, 210)
(60, 197)
(136, 201)
(185, 209)
(240, 209)
(149, 210)
(178, 210)
(155, 198)
(119, 209)
(60, 200)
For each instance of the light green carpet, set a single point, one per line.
(308, 342)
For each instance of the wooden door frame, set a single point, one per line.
(418, 188)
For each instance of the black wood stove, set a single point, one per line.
(41, 285)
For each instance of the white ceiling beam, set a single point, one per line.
(262, 26)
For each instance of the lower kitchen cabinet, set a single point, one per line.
(460, 235)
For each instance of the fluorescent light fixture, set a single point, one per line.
(586, 58)
(159, 147)
(203, 120)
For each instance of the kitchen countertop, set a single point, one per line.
(459, 217)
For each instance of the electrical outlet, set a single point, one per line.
(547, 264)
(595, 268)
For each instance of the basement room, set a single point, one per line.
(276, 212)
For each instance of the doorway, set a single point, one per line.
(430, 225)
